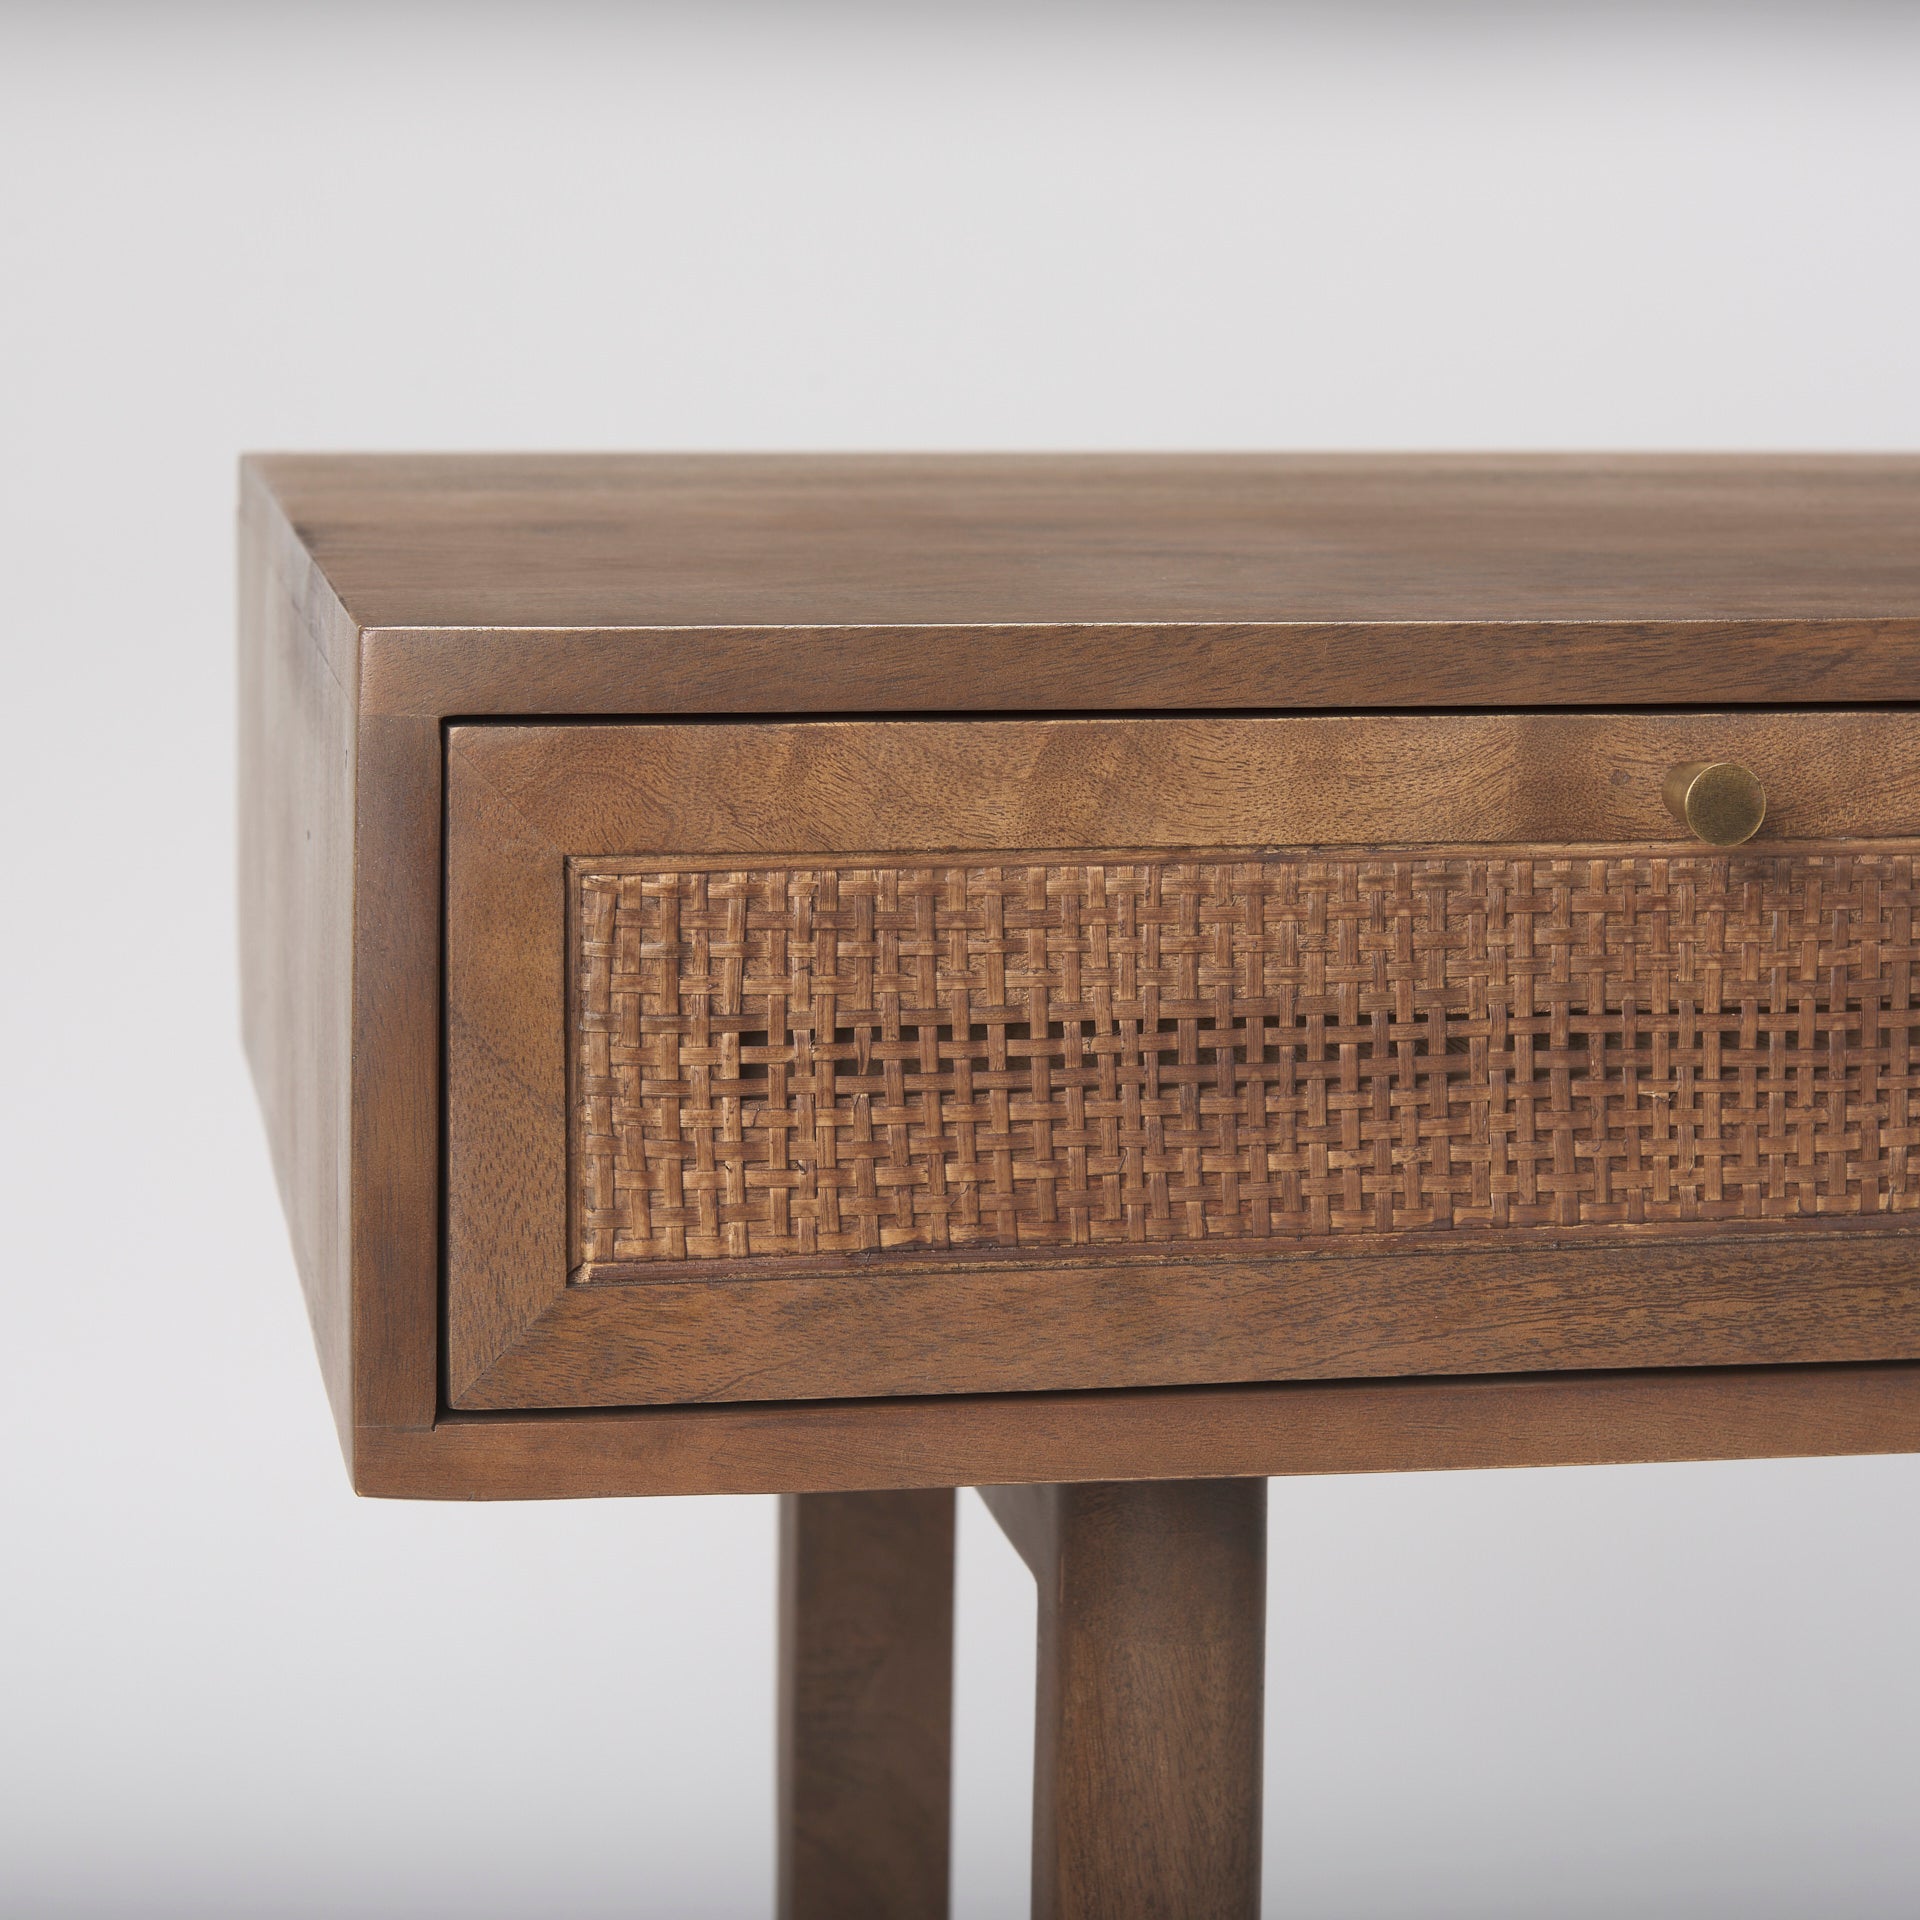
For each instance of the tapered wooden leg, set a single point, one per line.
(1151, 1679)
(866, 1705)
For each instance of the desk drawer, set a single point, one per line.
(886, 1057)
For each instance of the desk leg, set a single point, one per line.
(1151, 1675)
(866, 1705)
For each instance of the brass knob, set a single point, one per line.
(1720, 800)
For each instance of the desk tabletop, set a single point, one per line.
(703, 540)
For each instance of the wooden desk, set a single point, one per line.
(1097, 978)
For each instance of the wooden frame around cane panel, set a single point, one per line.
(1708, 1247)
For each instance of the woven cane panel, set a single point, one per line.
(1157, 1052)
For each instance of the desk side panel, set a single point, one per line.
(296, 785)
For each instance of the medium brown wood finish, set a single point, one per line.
(596, 540)
(1546, 911)
(398, 1177)
(721, 791)
(635, 584)
(297, 787)
(866, 1696)
(341, 999)
(1151, 1676)
(1346, 1426)
(922, 585)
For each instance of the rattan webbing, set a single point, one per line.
(1165, 1051)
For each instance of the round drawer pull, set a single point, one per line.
(1719, 800)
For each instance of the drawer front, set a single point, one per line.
(790, 1060)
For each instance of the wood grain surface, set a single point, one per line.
(1350, 1426)
(523, 801)
(722, 789)
(866, 1705)
(1604, 583)
(1149, 1713)
(706, 540)
(701, 584)
(296, 841)
(1814, 1295)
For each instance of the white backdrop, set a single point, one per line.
(228, 1689)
